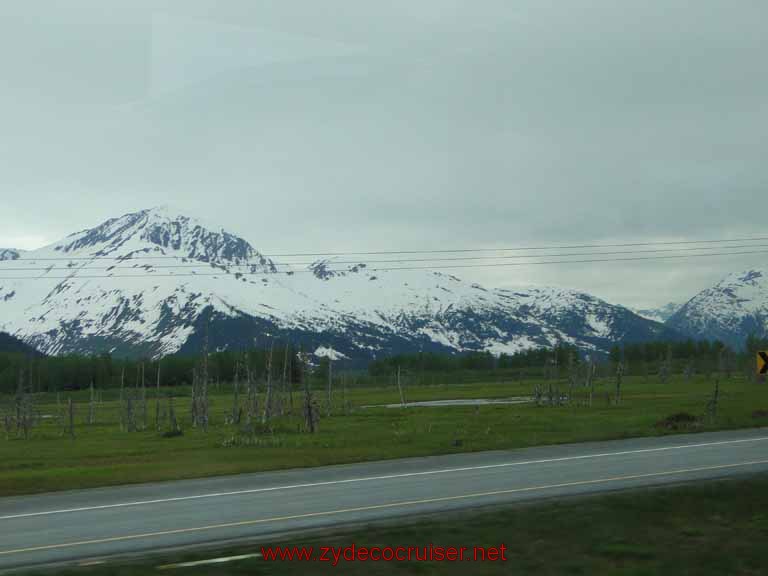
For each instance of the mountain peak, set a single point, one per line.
(162, 231)
(730, 310)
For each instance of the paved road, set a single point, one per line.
(73, 526)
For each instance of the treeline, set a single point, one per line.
(63, 373)
(676, 356)
(475, 361)
(688, 355)
(701, 351)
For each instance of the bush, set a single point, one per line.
(679, 421)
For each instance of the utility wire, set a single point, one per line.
(455, 251)
(207, 265)
(76, 276)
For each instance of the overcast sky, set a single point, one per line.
(369, 125)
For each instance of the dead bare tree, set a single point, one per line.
(130, 413)
(619, 378)
(193, 405)
(7, 423)
(200, 406)
(71, 418)
(400, 388)
(173, 425)
(236, 410)
(573, 376)
(91, 407)
(590, 381)
(555, 367)
(714, 402)
(122, 408)
(157, 399)
(143, 399)
(24, 409)
(311, 415)
(329, 399)
(252, 407)
(267, 414)
(287, 386)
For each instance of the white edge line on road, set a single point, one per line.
(375, 507)
(221, 560)
(374, 478)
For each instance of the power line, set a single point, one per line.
(366, 262)
(518, 249)
(446, 251)
(75, 276)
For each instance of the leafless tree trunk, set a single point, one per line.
(200, 390)
(71, 418)
(173, 424)
(267, 415)
(252, 409)
(91, 407)
(619, 375)
(572, 376)
(330, 389)
(123, 424)
(287, 387)
(554, 364)
(157, 399)
(311, 415)
(236, 396)
(193, 406)
(400, 388)
(143, 399)
(24, 408)
(714, 402)
(130, 413)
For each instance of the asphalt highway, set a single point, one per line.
(80, 525)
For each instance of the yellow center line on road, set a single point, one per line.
(374, 507)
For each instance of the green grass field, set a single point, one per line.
(710, 529)
(102, 454)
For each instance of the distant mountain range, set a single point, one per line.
(156, 282)
(660, 314)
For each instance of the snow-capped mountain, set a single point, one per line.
(155, 282)
(660, 314)
(731, 310)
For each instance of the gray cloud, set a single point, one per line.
(371, 125)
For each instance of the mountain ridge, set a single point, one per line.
(152, 282)
(731, 310)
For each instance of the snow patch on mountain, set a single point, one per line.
(660, 314)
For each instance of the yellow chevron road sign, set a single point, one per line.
(762, 362)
